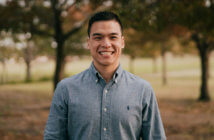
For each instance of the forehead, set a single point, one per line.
(106, 27)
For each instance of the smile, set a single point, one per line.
(106, 53)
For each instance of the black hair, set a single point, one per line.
(104, 16)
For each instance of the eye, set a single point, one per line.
(113, 37)
(97, 38)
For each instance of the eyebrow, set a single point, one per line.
(99, 34)
(96, 34)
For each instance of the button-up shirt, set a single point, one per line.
(85, 107)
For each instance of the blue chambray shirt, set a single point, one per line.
(84, 107)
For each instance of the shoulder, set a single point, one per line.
(75, 79)
(136, 80)
(137, 83)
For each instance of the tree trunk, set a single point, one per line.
(59, 70)
(204, 56)
(208, 65)
(3, 74)
(163, 56)
(154, 64)
(204, 52)
(28, 56)
(28, 71)
(59, 38)
(131, 64)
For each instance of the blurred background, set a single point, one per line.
(169, 43)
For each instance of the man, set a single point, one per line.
(104, 102)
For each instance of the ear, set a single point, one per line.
(123, 42)
(88, 46)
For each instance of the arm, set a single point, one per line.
(152, 127)
(56, 127)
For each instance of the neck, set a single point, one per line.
(106, 72)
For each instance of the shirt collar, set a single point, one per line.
(97, 75)
(117, 74)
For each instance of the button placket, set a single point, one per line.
(105, 91)
(105, 113)
(105, 109)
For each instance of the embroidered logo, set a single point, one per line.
(128, 107)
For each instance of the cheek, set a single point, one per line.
(119, 44)
(92, 46)
(118, 47)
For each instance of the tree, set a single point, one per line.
(59, 19)
(7, 50)
(30, 47)
(134, 46)
(141, 45)
(150, 18)
(160, 16)
(198, 17)
(60, 36)
(21, 18)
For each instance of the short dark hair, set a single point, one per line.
(104, 16)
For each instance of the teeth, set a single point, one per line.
(106, 53)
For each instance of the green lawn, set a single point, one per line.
(177, 66)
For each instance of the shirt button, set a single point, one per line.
(105, 91)
(105, 109)
(104, 129)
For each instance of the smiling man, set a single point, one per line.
(105, 43)
(104, 102)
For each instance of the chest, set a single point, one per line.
(116, 104)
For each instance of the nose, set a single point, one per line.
(106, 43)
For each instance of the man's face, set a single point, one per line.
(105, 43)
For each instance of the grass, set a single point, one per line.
(189, 65)
(25, 106)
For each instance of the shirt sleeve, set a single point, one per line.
(152, 127)
(56, 127)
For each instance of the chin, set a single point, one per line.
(109, 63)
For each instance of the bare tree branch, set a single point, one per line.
(80, 24)
(63, 3)
(69, 6)
(76, 28)
(39, 32)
